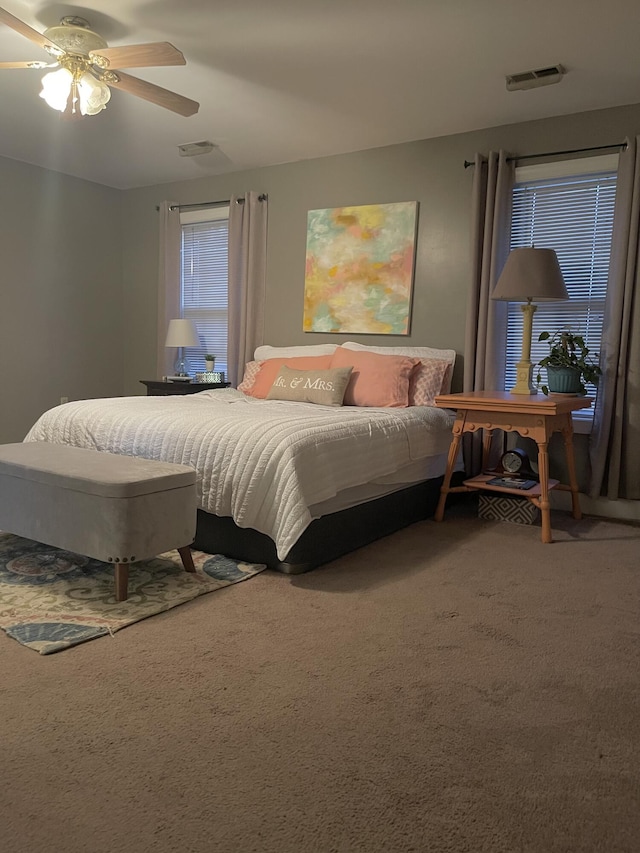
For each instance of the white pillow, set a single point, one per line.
(265, 351)
(448, 355)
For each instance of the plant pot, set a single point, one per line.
(564, 380)
(209, 364)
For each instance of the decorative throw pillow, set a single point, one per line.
(251, 370)
(324, 387)
(426, 381)
(423, 353)
(269, 370)
(376, 380)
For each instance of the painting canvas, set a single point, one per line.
(359, 269)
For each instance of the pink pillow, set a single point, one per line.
(426, 381)
(251, 370)
(376, 380)
(270, 368)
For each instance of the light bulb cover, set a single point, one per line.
(56, 88)
(94, 94)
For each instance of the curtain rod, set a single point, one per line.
(222, 203)
(622, 145)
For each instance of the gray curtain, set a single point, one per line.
(485, 338)
(168, 281)
(615, 438)
(247, 280)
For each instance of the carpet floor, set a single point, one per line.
(455, 687)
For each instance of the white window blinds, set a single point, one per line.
(573, 214)
(205, 244)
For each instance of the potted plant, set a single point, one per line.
(569, 365)
(209, 361)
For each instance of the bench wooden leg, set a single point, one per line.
(122, 581)
(122, 573)
(187, 559)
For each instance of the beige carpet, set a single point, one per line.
(455, 687)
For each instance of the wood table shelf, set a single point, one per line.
(534, 416)
(481, 482)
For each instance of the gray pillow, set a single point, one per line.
(324, 387)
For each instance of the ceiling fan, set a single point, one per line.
(88, 68)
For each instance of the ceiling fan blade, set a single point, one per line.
(140, 55)
(27, 31)
(155, 94)
(33, 64)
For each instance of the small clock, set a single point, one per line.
(516, 463)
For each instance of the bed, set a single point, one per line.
(287, 482)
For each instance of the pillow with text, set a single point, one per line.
(323, 387)
(269, 370)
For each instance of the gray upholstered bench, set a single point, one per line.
(118, 509)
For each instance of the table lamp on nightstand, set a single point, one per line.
(181, 334)
(529, 274)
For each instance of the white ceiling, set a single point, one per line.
(286, 80)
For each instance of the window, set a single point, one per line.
(566, 206)
(204, 282)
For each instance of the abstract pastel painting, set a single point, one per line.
(359, 268)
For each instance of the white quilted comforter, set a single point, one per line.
(262, 462)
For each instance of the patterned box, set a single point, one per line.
(210, 376)
(503, 508)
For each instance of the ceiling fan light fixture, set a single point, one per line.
(88, 95)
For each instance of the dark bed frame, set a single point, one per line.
(326, 538)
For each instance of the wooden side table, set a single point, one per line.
(162, 388)
(536, 417)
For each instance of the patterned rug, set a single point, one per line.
(52, 599)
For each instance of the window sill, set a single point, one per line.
(582, 426)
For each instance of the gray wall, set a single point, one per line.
(61, 318)
(430, 171)
(79, 271)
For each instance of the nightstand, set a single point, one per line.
(161, 388)
(535, 416)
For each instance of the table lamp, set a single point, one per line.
(181, 334)
(529, 274)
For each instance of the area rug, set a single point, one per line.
(52, 599)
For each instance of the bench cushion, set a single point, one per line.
(91, 471)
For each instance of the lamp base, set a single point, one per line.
(524, 384)
(181, 366)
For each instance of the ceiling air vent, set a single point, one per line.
(533, 79)
(192, 149)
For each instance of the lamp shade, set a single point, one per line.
(182, 333)
(531, 274)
